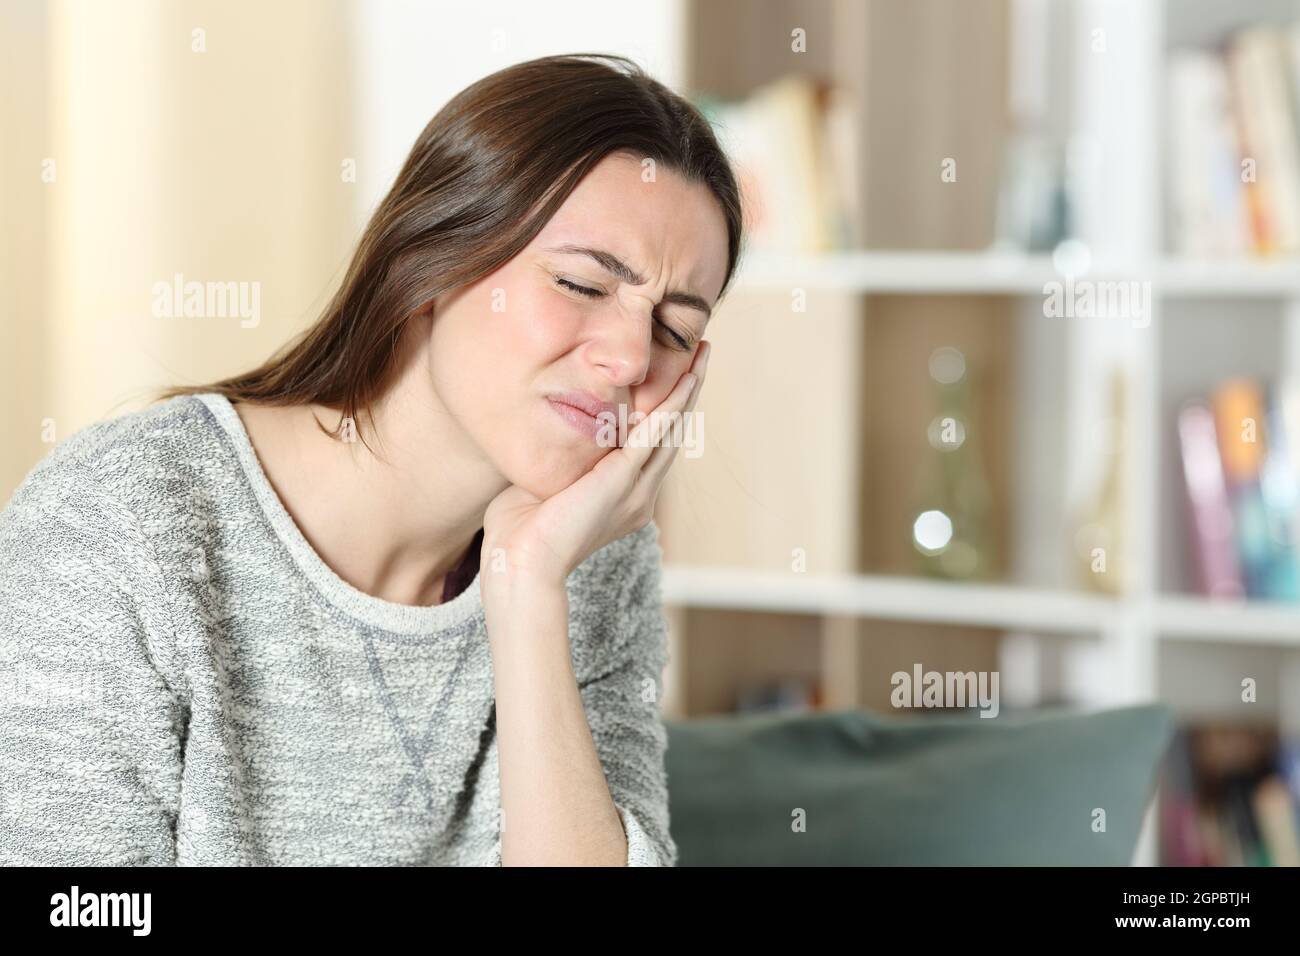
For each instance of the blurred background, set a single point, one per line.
(1007, 383)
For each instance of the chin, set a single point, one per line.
(548, 471)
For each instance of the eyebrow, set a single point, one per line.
(620, 269)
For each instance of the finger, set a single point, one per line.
(700, 368)
(645, 437)
(662, 457)
(649, 432)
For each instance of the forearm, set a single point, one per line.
(557, 809)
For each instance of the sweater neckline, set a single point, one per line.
(374, 611)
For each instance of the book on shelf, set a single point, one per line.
(1234, 145)
(1230, 797)
(1242, 484)
(1209, 515)
(795, 145)
(1207, 201)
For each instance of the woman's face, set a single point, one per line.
(501, 346)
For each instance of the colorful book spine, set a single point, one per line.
(1257, 63)
(1280, 494)
(1239, 423)
(1210, 513)
(1229, 797)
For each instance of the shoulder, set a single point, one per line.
(79, 556)
(140, 460)
(94, 509)
(117, 451)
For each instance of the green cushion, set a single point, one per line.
(1017, 789)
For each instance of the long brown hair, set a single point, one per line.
(483, 178)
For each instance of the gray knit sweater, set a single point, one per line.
(185, 681)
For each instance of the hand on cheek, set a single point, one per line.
(531, 542)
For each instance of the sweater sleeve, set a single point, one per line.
(622, 706)
(91, 757)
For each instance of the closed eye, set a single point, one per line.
(580, 289)
(680, 341)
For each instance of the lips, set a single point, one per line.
(584, 402)
(580, 411)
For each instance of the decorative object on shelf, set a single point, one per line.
(791, 694)
(1033, 206)
(1099, 539)
(951, 526)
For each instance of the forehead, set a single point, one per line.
(667, 228)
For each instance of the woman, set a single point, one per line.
(393, 597)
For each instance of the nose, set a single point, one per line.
(621, 347)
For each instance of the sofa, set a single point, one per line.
(849, 788)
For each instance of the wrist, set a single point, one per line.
(525, 618)
(515, 592)
(521, 567)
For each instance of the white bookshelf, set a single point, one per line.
(1208, 319)
(888, 597)
(1255, 623)
(1002, 273)
(1011, 607)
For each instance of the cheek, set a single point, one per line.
(543, 325)
(496, 339)
(489, 356)
(665, 371)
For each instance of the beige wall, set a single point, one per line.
(222, 165)
(23, 197)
